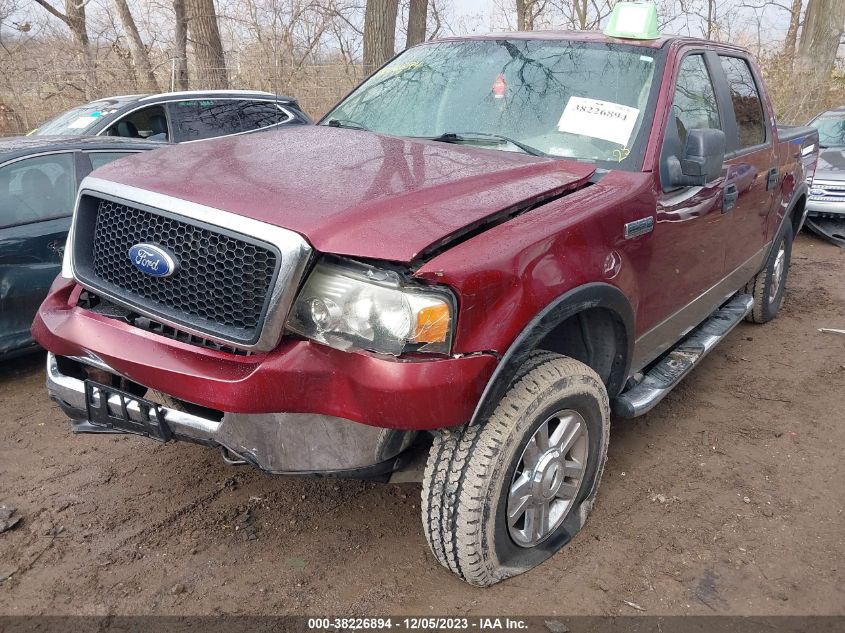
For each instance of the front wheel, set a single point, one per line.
(502, 497)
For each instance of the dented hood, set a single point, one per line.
(352, 192)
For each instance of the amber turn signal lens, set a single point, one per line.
(432, 324)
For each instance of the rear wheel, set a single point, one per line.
(769, 285)
(500, 498)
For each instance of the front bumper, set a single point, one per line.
(825, 208)
(826, 198)
(285, 443)
(297, 377)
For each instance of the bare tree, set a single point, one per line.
(379, 32)
(74, 19)
(582, 14)
(792, 32)
(527, 13)
(417, 14)
(180, 46)
(821, 35)
(205, 39)
(140, 57)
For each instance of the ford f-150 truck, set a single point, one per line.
(491, 244)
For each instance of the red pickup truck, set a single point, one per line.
(489, 246)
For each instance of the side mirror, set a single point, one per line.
(704, 155)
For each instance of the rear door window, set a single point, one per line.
(205, 118)
(259, 114)
(37, 189)
(745, 97)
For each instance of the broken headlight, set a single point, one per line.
(348, 305)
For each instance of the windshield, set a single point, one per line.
(586, 101)
(78, 121)
(831, 129)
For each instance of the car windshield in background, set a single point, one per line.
(78, 121)
(831, 129)
(585, 101)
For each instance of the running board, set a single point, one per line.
(671, 369)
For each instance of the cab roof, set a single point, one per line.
(591, 37)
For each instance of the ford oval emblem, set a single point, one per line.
(153, 260)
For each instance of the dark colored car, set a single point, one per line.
(39, 177)
(177, 116)
(492, 243)
(826, 206)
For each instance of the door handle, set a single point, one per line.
(731, 196)
(772, 178)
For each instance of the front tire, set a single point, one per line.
(769, 285)
(500, 498)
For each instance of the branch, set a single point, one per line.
(51, 9)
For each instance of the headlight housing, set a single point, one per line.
(349, 305)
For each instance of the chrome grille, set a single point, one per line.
(827, 192)
(223, 283)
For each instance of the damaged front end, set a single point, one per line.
(97, 400)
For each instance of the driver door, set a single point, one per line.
(688, 242)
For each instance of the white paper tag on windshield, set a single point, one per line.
(81, 122)
(599, 119)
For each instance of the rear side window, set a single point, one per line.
(258, 114)
(36, 189)
(694, 103)
(746, 101)
(206, 118)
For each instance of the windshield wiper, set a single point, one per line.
(457, 137)
(347, 123)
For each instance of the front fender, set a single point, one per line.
(591, 295)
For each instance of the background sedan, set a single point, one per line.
(177, 116)
(39, 177)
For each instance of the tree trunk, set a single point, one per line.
(711, 18)
(417, 13)
(792, 32)
(140, 57)
(78, 25)
(208, 49)
(824, 23)
(180, 52)
(524, 15)
(379, 32)
(580, 11)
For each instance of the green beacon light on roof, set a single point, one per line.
(633, 20)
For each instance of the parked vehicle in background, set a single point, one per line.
(826, 205)
(39, 177)
(491, 243)
(177, 117)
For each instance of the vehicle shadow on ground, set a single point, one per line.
(22, 367)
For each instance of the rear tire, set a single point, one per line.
(769, 285)
(541, 454)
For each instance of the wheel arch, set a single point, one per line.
(797, 212)
(612, 314)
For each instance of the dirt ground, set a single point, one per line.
(728, 498)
